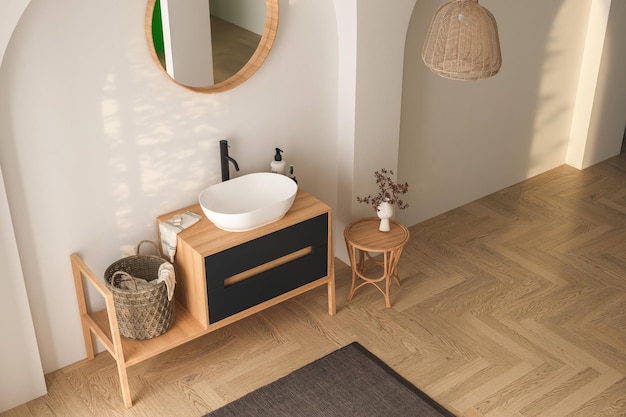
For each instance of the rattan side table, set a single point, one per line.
(364, 240)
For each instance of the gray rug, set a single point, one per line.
(346, 383)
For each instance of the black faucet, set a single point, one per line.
(225, 159)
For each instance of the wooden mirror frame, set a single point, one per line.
(247, 71)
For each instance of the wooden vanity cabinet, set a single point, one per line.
(221, 277)
(224, 276)
(237, 280)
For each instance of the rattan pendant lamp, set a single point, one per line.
(462, 42)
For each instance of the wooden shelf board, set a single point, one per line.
(184, 329)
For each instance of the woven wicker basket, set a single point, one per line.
(142, 313)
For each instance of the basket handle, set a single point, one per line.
(148, 241)
(126, 275)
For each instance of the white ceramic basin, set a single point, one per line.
(247, 202)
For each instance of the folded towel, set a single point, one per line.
(171, 227)
(167, 275)
(134, 283)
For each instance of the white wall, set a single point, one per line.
(608, 117)
(370, 33)
(378, 92)
(346, 14)
(21, 378)
(587, 83)
(462, 140)
(187, 42)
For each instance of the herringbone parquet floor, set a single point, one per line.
(511, 306)
(536, 284)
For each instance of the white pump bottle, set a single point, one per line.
(277, 166)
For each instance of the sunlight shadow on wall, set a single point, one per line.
(599, 117)
(164, 160)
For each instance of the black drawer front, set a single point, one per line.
(225, 301)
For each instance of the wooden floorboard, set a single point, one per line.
(513, 305)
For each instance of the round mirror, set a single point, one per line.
(210, 46)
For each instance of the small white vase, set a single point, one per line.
(384, 211)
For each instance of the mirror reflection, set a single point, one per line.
(205, 43)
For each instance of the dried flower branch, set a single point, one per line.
(389, 191)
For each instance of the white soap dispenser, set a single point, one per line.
(278, 165)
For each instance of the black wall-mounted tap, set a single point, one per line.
(225, 159)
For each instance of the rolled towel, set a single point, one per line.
(166, 274)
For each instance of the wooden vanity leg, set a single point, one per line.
(112, 344)
(82, 309)
(121, 370)
(119, 355)
(118, 352)
(332, 302)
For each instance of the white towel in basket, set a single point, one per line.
(171, 227)
(167, 275)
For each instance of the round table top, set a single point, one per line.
(364, 235)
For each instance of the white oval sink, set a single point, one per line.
(247, 202)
